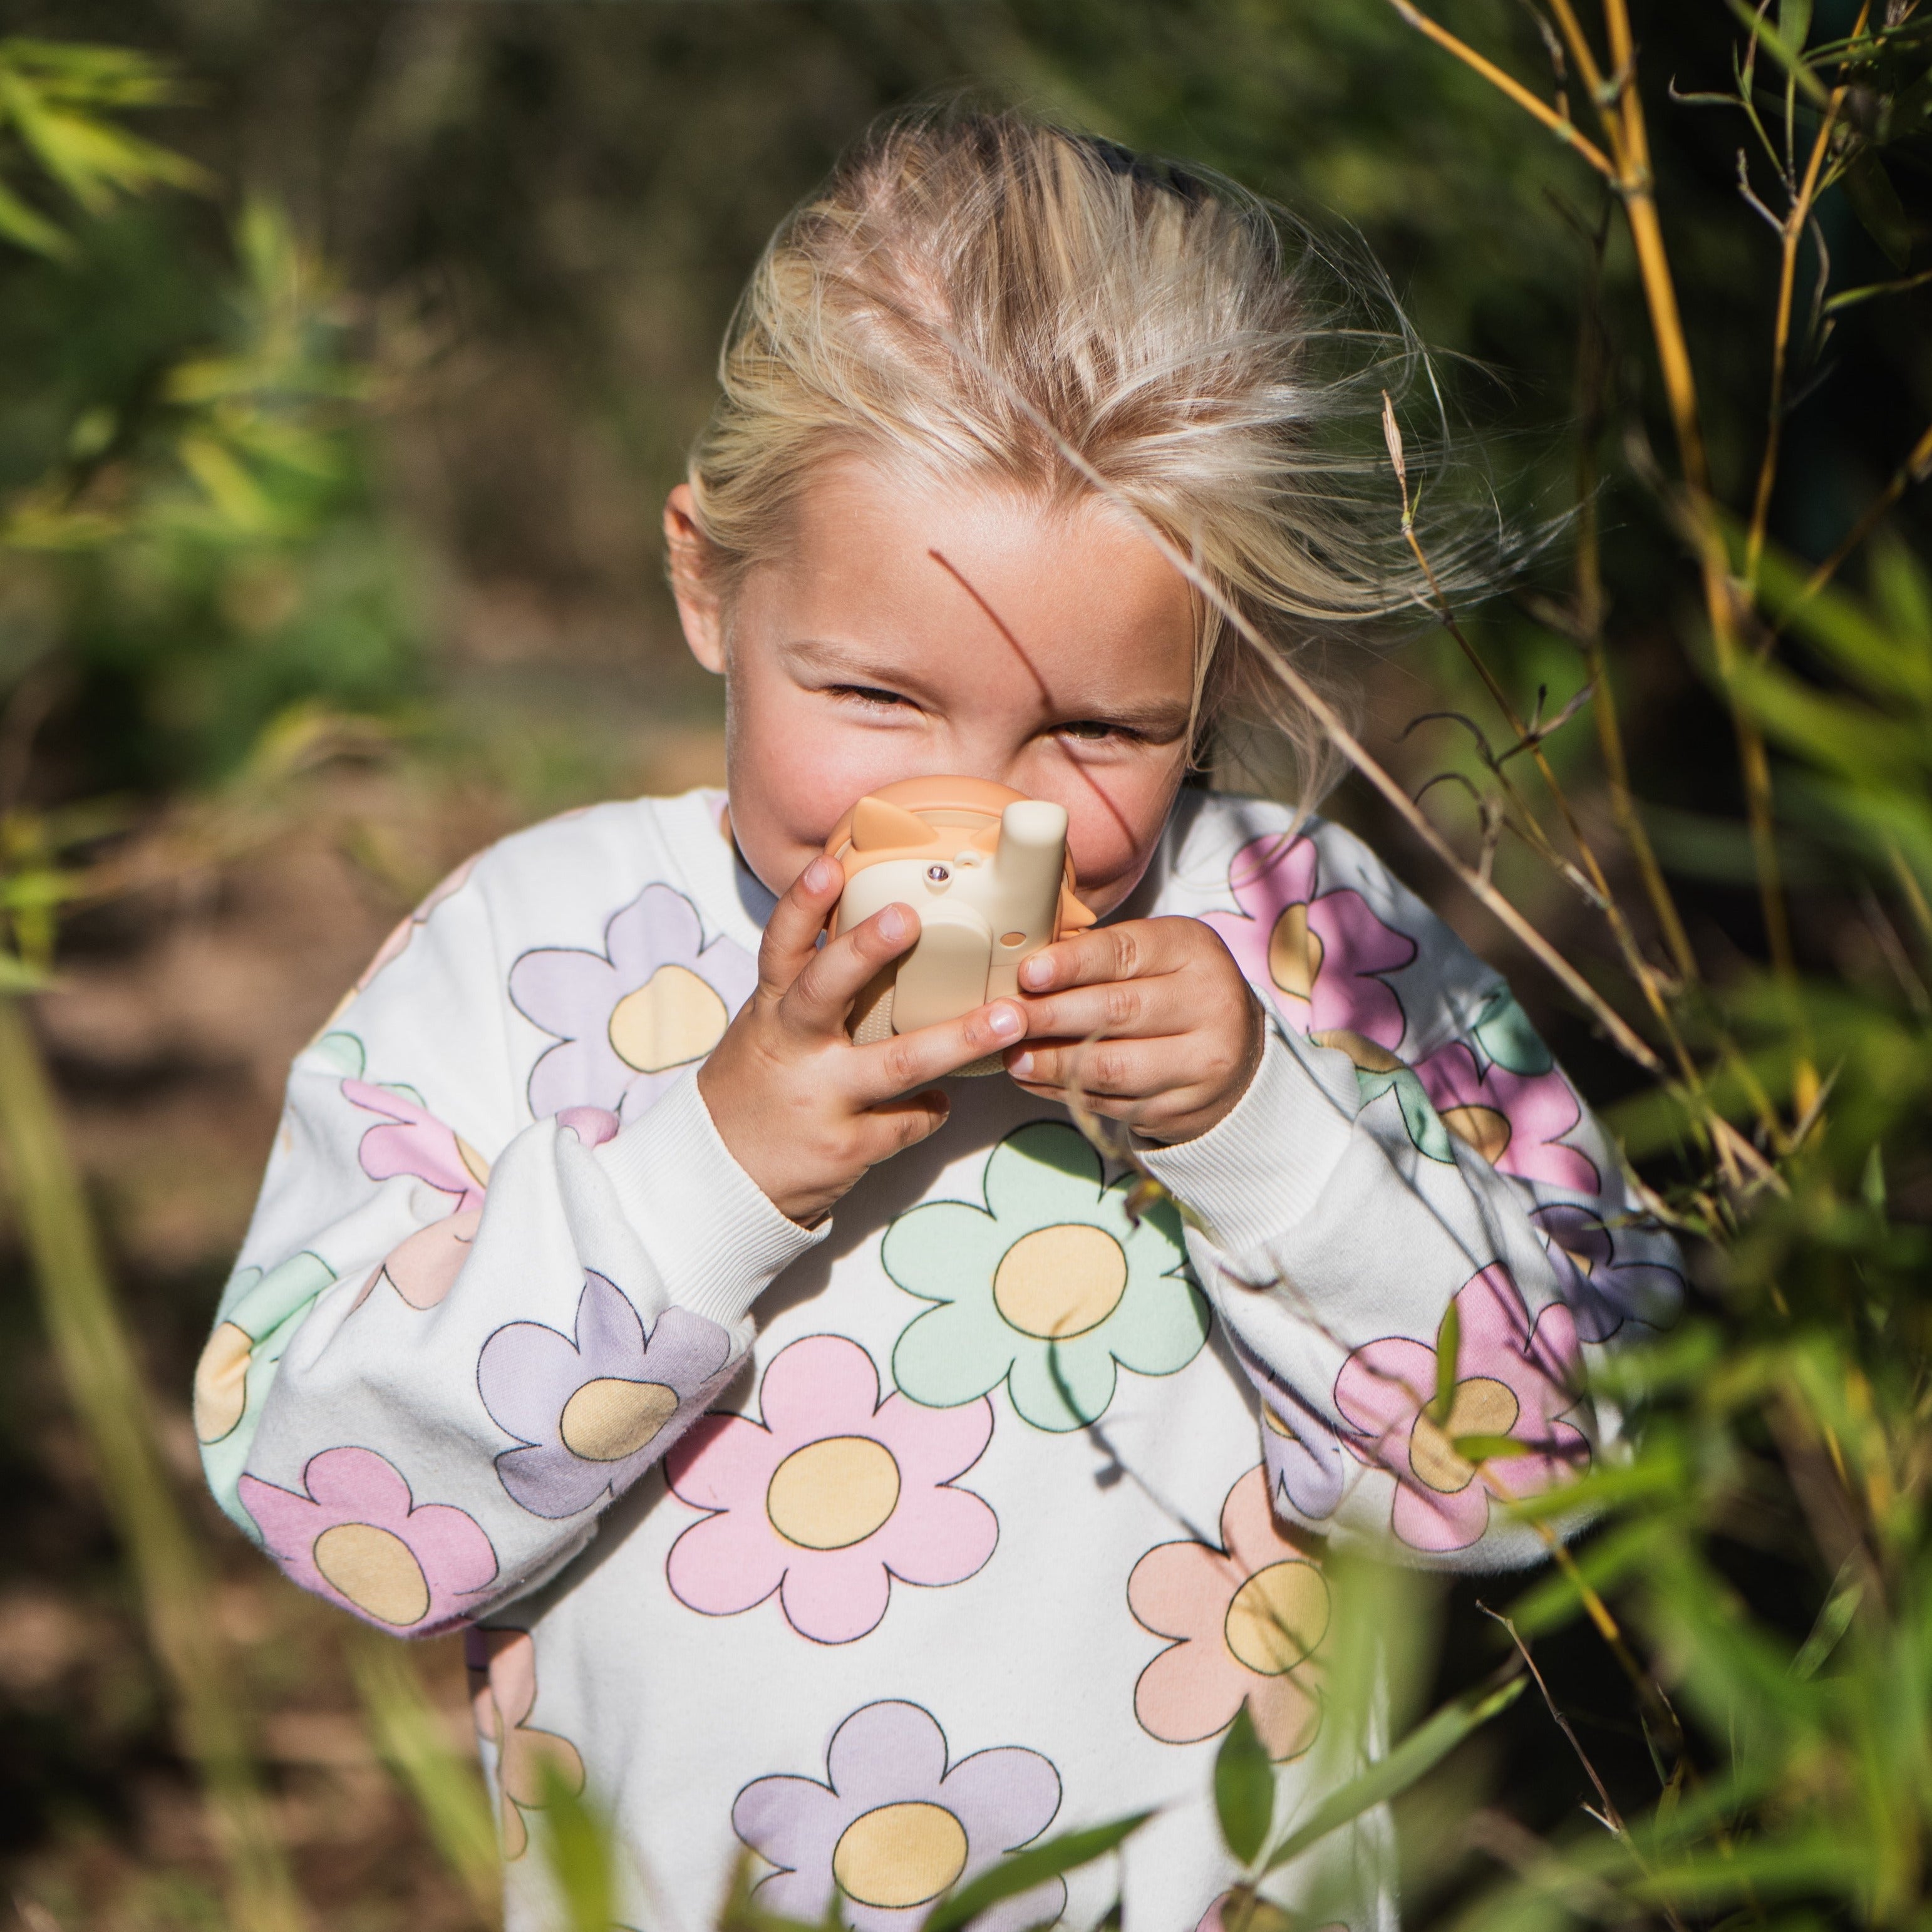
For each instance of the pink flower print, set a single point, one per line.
(398, 940)
(590, 1414)
(1316, 956)
(502, 1667)
(356, 1536)
(1515, 1121)
(1511, 1377)
(1246, 1618)
(423, 1267)
(627, 1019)
(829, 1498)
(891, 1827)
(1606, 1279)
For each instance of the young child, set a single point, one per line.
(822, 1458)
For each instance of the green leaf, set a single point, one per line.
(1419, 1753)
(17, 977)
(1794, 22)
(1890, 656)
(1876, 202)
(26, 229)
(1788, 56)
(1243, 1789)
(1448, 1352)
(1485, 1448)
(1025, 1870)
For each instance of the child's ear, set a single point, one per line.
(694, 580)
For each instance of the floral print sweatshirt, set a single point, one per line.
(879, 1550)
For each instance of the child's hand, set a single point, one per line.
(804, 1111)
(1180, 1032)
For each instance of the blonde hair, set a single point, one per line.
(983, 296)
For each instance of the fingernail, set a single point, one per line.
(1021, 1065)
(892, 922)
(818, 875)
(1036, 972)
(1005, 1020)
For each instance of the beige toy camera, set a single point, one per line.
(986, 870)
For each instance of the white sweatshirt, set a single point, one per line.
(973, 1514)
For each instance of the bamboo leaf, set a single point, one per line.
(1876, 202)
(1790, 58)
(1387, 1777)
(1448, 1353)
(1034, 1866)
(1243, 1789)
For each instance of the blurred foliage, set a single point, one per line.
(388, 330)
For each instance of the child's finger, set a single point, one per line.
(909, 1060)
(1114, 1069)
(820, 995)
(1123, 952)
(791, 934)
(1118, 1009)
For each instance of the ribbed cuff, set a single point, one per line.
(1253, 1175)
(717, 1241)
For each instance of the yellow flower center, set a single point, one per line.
(1483, 1406)
(832, 1494)
(1294, 953)
(609, 1419)
(221, 1382)
(673, 1019)
(375, 1570)
(899, 1854)
(1485, 1129)
(1278, 1616)
(1057, 1282)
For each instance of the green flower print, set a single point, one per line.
(1046, 1288)
(260, 1315)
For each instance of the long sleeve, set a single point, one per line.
(1415, 1234)
(460, 1331)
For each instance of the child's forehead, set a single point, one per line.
(885, 571)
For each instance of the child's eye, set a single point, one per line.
(867, 694)
(1093, 731)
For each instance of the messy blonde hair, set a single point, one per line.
(983, 297)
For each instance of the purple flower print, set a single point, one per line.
(1316, 955)
(357, 1536)
(1511, 1377)
(628, 1018)
(893, 1827)
(1604, 1281)
(1306, 1464)
(589, 1414)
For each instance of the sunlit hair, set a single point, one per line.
(980, 297)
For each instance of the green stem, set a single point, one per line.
(96, 1357)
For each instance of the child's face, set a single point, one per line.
(859, 658)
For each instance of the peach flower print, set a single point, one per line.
(502, 1667)
(1512, 1377)
(1317, 955)
(830, 1498)
(1246, 1618)
(398, 940)
(1241, 1910)
(355, 1535)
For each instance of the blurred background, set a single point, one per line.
(333, 463)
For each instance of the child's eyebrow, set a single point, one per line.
(854, 665)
